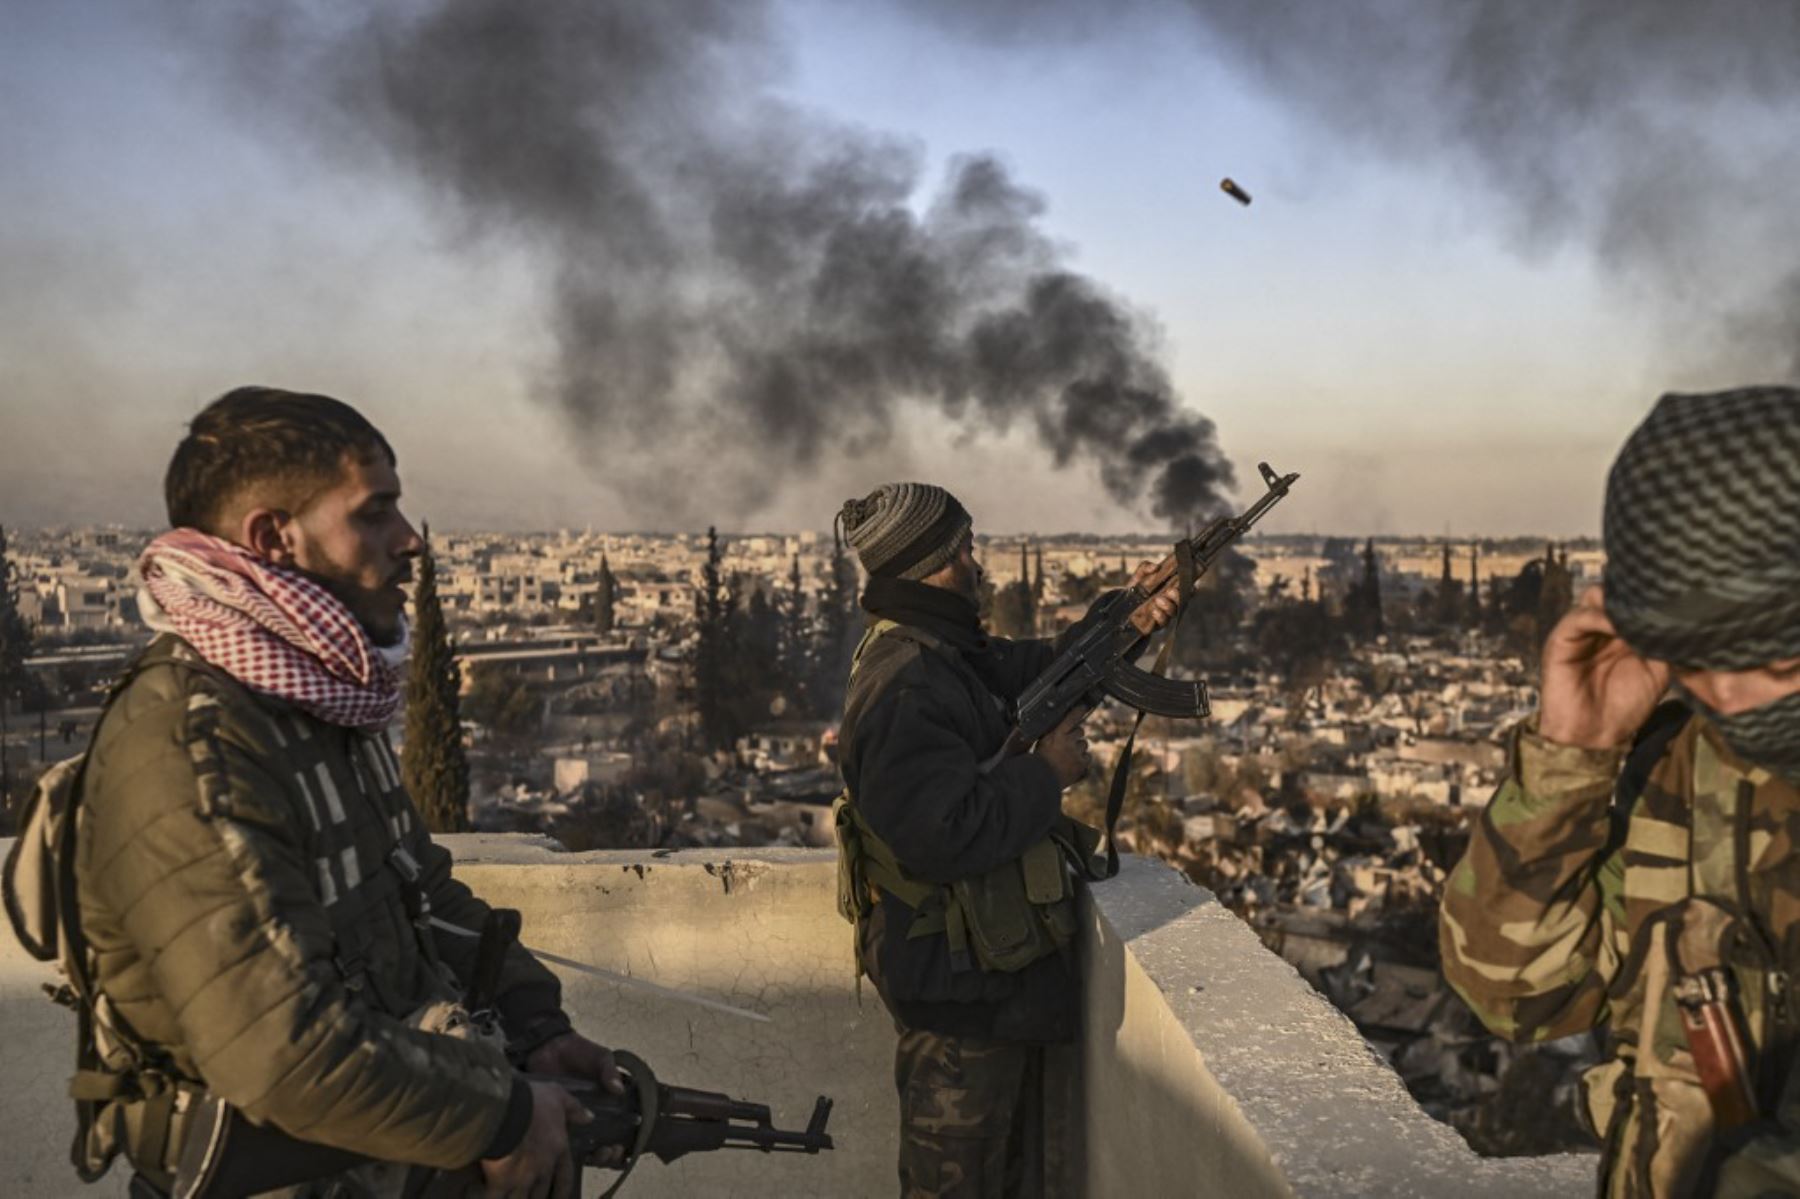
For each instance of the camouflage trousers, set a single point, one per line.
(973, 1118)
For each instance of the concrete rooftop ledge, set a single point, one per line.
(1208, 1057)
(1208, 1064)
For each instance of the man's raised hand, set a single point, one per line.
(1597, 691)
(1162, 605)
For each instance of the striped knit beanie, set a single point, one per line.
(904, 530)
(1703, 530)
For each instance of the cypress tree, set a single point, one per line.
(837, 629)
(712, 615)
(1556, 594)
(15, 634)
(605, 597)
(1363, 606)
(1027, 597)
(432, 762)
(1474, 586)
(1448, 612)
(794, 639)
(15, 647)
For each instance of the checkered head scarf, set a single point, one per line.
(904, 530)
(1703, 530)
(273, 629)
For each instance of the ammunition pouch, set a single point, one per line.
(146, 1116)
(1003, 920)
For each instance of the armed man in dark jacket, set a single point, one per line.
(271, 926)
(952, 853)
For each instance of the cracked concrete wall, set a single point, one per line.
(754, 928)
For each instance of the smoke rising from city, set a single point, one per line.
(737, 288)
(1656, 135)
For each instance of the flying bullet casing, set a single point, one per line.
(1230, 188)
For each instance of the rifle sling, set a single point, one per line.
(1115, 795)
(1186, 571)
(649, 1094)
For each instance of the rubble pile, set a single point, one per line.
(1350, 899)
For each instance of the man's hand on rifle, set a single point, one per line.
(1161, 606)
(541, 1167)
(1066, 749)
(574, 1056)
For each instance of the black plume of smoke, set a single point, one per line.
(737, 288)
(1658, 135)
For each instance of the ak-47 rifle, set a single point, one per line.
(225, 1155)
(1100, 660)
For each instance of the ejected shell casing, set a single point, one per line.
(1230, 188)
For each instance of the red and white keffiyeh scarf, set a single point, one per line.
(273, 629)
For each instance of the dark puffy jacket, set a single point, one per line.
(917, 725)
(234, 885)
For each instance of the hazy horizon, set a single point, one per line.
(663, 288)
(981, 534)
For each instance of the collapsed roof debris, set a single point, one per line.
(1350, 900)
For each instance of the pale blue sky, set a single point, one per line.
(1363, 322)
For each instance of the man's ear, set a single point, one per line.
(268, 533)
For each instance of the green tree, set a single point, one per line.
(1557, 594)
(1082, 589)
(1472, 617)
(753, 661)
(1448, 612)
(1222, 601)
(712, 622)
(1011, 613)
(15, 682)
(1028, 596)
(502, 704)
(606, 596)
(1362, 607)
(432, 762)
(836, 631)
(795, 646)
(1301, 641)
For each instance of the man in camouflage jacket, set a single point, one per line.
(1637, 853)
(269, 920)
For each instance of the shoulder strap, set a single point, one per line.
(68, 911)
(1664, 725)
(934, 644)
(1652, 741)
(870, 636)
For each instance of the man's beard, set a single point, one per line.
(968, 584)
(361, 601)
